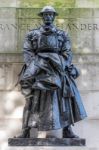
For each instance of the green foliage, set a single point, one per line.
(41, 3)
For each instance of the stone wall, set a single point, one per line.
(82, 24)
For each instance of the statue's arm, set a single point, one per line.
(66, 49)
(28, 49)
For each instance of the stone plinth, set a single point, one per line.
(46, 142)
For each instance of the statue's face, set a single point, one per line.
(48, 17)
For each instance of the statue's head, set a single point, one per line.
(48, 14)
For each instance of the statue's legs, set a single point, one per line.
(25, 129)
(42, 134)
(68, 133)
(27, 92)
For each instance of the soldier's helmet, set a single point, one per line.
(47, 9)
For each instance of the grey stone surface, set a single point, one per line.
(45, 142)
(88, 129)
(8, 3)
(50, 148)
(8, 34)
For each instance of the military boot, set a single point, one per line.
(25, 133)
(68, 133)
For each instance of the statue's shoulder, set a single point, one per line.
(33, 32)
(62, 33)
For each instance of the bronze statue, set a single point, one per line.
(47, 80)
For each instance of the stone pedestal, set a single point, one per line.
(46, 142)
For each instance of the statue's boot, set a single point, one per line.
(25, 133)
(68, 133)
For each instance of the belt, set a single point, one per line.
(48, 51)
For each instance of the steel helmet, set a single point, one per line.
(47, 9)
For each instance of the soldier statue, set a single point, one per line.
(47, 80)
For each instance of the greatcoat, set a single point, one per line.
(47, 78)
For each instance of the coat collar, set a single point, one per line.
(45, 29)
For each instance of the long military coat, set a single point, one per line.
(49, 73)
